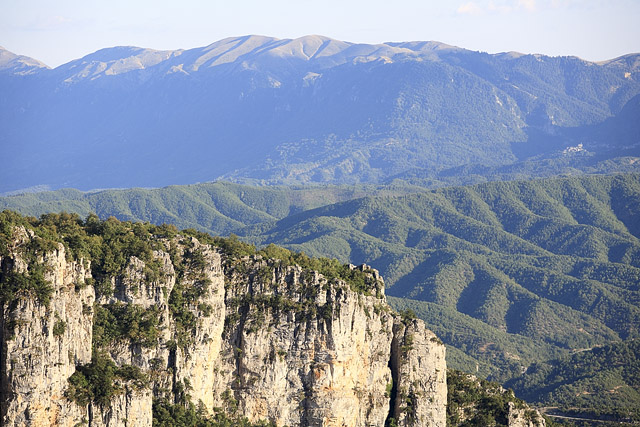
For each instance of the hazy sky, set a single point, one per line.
(57, 31)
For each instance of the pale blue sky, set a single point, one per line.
(58, 31)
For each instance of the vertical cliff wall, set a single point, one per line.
(188, 321)
(43, 342)
(420, 378)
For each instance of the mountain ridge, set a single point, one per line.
(307, 41)
(308, 110)
(248, 47)
(20, 64)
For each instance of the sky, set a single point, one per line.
(58, 31)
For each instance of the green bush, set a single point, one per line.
(166, 414)
(59, 326)
(119, 321)
(100, 380)
(30, 284)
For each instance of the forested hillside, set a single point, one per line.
(312, 110)
(553, 261)
(218, 208)
(506, 273)
(597, 383)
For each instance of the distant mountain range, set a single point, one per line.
(264, 110)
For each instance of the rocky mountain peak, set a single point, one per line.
(18, 64)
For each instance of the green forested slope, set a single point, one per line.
(218, 208)
(554, 261)
(474, 346)
(507, 273)
(600, 381)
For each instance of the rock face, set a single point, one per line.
(129, 409)
(244, 335)
(421, 382)
(42, 344)
(524, 417)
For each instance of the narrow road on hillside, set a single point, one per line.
(544, 411)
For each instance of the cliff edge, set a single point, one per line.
(114, 324)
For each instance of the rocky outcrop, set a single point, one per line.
(246, 335)
(524, 417)
(421, 375)
(304, 351)
(132, 408)
(474, 401)
(43, 343)
(194, 361)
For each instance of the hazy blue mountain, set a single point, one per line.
(12, 64)
(313, 109)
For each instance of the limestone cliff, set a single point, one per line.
(43, 343)
(422, 384)
(174, 319)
